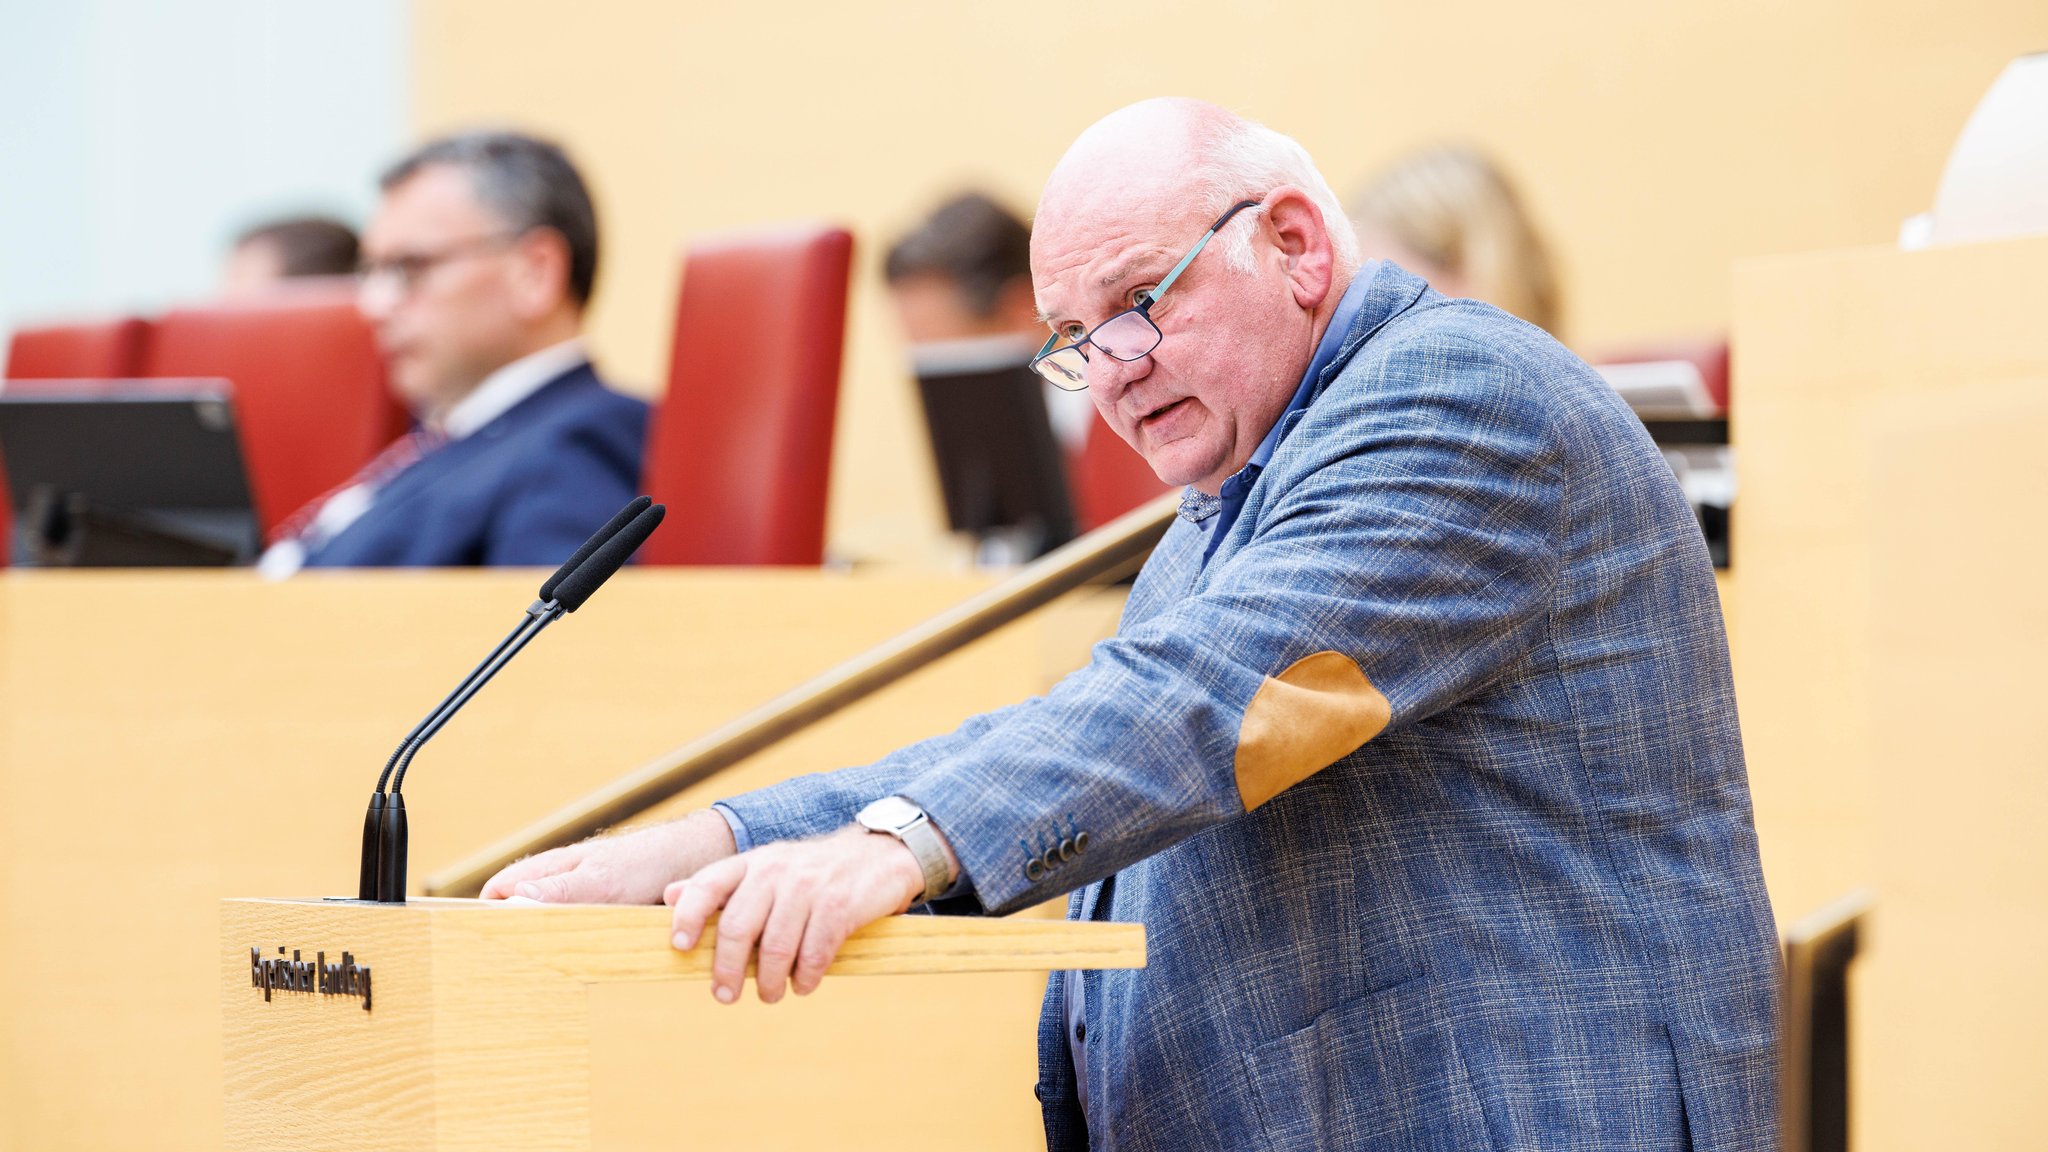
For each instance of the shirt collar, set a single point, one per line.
(506, 387)
(1197, 505)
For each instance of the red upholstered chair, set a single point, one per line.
(106, 349)
(310, 400)
(1109, 478)
(741, 447)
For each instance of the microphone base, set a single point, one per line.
(391, 852)
(373, 847)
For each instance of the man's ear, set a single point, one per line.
(540, 275)
(1297, 229)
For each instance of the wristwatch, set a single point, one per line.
(895, 816)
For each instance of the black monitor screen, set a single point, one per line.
(999, 462)
(103, 473)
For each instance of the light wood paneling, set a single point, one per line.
(1960, 772)
(167, 740)
(485, 1031)
(1888, 431)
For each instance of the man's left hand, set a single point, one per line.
(794, 903)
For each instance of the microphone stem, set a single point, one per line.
(520, 637)
(381, 877)
(533, 612)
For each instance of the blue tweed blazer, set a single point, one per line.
(1428, 787)
(526, 489)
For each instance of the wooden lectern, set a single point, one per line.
(463, 1024)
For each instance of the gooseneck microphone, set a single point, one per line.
(612, 527)
(385, 834)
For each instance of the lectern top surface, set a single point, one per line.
(599, 943)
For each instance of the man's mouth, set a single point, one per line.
(1161, 412)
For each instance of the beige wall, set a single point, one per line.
(1657, 142)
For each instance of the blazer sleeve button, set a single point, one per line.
(1034, 870)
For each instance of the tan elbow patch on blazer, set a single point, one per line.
(1302, 721)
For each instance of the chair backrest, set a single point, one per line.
(741, 446)
(1814, 1043)
(103, 350)
(310, 395)
(1110, 478)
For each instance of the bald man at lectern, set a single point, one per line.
(1415, 751)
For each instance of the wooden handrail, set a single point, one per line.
(1107, 553)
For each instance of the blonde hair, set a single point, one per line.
(1455, 209)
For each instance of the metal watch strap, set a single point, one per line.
(923, 841)
(916, 834)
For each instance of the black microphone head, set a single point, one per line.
(624, 517)
(609, 558)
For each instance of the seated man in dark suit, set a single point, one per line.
(476, 271)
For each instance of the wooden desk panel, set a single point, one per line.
(1821, 341)
(1960, 778)
(1888, 425)
(579, 1028)
(170, 739)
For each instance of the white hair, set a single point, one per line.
(1245, 160)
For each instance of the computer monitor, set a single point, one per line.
(999, 462)
(125, 473)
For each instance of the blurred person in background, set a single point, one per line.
(475, 274)
(288, 249)
(1002, 439)
(961, 282)
(963, 274)
(963, 271)
(1451, 216)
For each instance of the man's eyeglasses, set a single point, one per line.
(1128, 335)
(406, 271)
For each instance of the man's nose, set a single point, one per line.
(377, 297)
(1109, 377)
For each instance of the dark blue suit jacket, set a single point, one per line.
(525, 489)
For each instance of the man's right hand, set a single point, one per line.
(631, 868)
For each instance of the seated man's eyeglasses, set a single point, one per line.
(1128, 335)
(407, 269)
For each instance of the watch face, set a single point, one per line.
(889, 814)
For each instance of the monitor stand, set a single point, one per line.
(65, 530)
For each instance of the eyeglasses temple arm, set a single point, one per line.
(1188, 259)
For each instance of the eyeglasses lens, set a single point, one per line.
(1126, 336)
(1066, 368)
